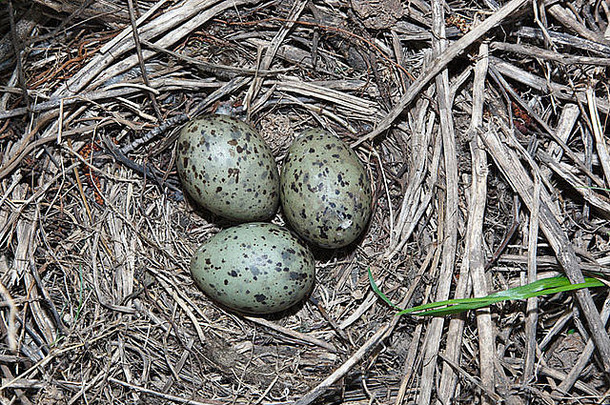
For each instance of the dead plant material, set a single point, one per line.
(483, 126)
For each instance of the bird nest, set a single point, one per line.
(482, 126)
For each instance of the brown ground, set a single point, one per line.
(487, 150)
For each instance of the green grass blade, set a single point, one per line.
(545, 286)
(590, 282)
(452, 306)
(378, 291)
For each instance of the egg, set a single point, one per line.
(325, 192)
(255, 268)
(228, 169)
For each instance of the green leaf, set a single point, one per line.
(378, 291)
(545, 286)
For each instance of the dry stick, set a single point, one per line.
(293, 334)
(27, 244)
(410, 366)
(476, 218)
(557, 90)
(21, 154)
(509, 163)
(256, 85)
(9, 322)
(100, 62)
(567, 119)
(136, 40)
(583, 360)
(413, 203)
(370, 344)
(152, 10)
(227, 88)
(8, 225)
(591, 392)
(171, 37)
(180, 364)
(562, 15)
(559, 323)
(430, 262)
(492, 395)
(400, 59)
(81, 189)
(218, 70)
(315, 40)
(440, 62)
(55, 102)
(531, 320)
(357, 105)
(367, 347)
(541, 21)
(587, 142)
(173, 24)
(586, 191)
(411, 214)
(23, 143)
(95, 253)
(550, 263)
(167, 397)
(86, 385)
(53, 353)
(546, 127)
(48, 301)
(17, 48)
(31, 384)
(536, 52)
(560, 38)
(456, 326)
(598, 133)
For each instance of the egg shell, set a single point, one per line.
(255, 268)
(228, 169)
(324, 190)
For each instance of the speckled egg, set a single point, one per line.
(227, 168)
(256, 268)
(324, 190)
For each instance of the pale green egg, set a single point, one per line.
(325, 192)
(256, 268)
(228, 169)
